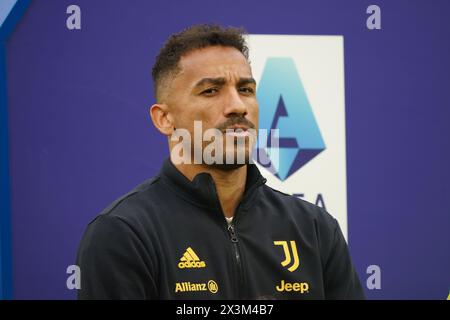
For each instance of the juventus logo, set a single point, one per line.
(287, 254)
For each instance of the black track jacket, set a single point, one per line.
(168, 239)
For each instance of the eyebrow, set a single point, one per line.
(243, 81)
(221, 81)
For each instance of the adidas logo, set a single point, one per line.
(190, 260)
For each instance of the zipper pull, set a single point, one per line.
(232, 234)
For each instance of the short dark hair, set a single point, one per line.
(189, 39)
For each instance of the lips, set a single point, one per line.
(237, 131)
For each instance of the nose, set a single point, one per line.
(234, 105)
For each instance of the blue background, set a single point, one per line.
(80, 135)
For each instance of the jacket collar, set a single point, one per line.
(201, 191)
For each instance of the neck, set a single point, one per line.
(230, 184)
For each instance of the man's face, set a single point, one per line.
(215, 86)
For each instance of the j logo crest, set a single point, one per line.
(287, 254)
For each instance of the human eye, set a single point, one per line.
(210, 92)
(247, 90)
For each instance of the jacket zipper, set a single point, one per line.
(240, 274)
(235, 241)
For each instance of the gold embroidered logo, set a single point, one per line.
(210, 286)
(287, 254)
(302, 287)
(190, 260)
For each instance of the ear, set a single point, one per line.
(162, 119)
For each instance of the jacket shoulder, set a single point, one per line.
(130, 205)
(299, 208)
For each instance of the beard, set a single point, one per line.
(225, 149)
(233, 165)
(232, 155)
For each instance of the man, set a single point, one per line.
(204, 229)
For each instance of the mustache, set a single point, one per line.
(235, 121)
